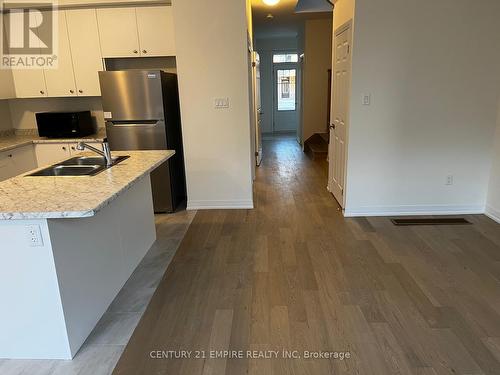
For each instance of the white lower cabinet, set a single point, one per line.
(50, 153)
(29, 157)
(17, 161)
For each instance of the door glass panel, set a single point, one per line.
(286, 89)
(285, 58)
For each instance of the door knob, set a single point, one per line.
(332, 126)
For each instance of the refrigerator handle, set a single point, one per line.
(135, 124)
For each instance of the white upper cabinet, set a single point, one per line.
(6, 81)
(155, 25)
(60, 81)
(6, 84)
(84, 37)
(131, 32)
(85, 50)
(118, 32)
(28, 83)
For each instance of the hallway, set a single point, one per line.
(293, 274)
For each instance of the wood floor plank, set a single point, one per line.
(293, 274)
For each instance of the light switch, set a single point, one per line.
(220, 103)
(367, 99)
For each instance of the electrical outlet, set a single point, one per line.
(34, 235)
(449, 180)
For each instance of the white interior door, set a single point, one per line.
(285, 118)
(339, 113)
(257, 109)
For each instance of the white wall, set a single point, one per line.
(265, 47)
(433, 71)
(212, 61)
(493, 202)
(343, 12)
(317, 61)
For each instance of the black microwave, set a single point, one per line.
(64, 124)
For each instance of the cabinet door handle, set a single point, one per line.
(42, 92)
(80, 91)
(64, 148)
(72, 91)
(10, 155)
(144, 51)
(135, 51)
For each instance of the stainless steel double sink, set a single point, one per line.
(78, 166)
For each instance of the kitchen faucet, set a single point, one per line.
(105, 153)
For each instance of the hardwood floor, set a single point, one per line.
(293, 274)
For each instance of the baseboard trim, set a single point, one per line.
(492, 213)
(414, 210)
(219, 205)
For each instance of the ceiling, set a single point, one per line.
(285, 22)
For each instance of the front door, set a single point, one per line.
(285, 117)
(339, 113)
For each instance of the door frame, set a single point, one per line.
(347, 26)
(297, 81)
(284, 66)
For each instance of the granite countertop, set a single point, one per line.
(12, 141)
(25, 197)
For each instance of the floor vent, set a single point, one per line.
(432, 221)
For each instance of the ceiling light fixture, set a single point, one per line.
(271, 2)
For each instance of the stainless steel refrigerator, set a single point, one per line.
(141, 110)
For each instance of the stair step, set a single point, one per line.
(319, 147)
(325, 136)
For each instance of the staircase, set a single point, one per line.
(317, 146)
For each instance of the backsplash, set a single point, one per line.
(23, 110)
(7, 132)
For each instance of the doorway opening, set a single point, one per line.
(285, 119)
(294, 46)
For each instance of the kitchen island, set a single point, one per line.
(67, 247)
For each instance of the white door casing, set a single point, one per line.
(341, 89)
